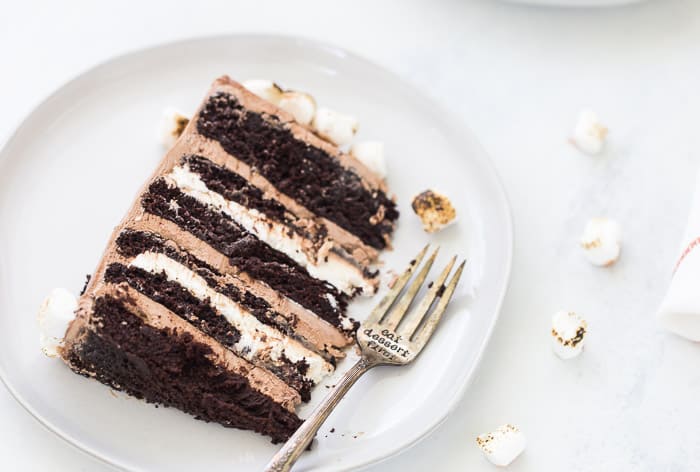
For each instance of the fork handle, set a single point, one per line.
(300, 440)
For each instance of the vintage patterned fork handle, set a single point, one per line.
(297, 444)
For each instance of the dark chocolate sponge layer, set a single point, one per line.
(201, 315)
(131, 243)
(235, 188)
(306, 173)
(245, 250)
(172, 369)
(177, 299)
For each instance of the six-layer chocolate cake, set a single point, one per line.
(224, 290)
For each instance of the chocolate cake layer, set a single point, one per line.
(319, 256)
(131, 243)
(205, 317)
(235, 188)
(172, 369)
(212, 150)
(318, 332)
(177, 299)
(308, 174)
(245, 251)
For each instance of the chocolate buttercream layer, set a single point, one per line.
(172, 368)
(309, 174)
(245, 251)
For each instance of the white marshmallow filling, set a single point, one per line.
(258, 341)
(339, 272)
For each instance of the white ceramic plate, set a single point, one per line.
(72, 168)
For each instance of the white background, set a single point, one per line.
(517, 76)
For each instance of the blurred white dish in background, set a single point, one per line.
(576, 3)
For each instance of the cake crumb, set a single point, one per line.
(87, 281)
(434, 210)
(393, 277)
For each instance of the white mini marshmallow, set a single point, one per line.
(502, 446)
(568, 334)
(301, 105)
(589, 134)
(55, 313)
(265, 89)
(371, 154)
(335, 127)
(601, 241)
(172, 124)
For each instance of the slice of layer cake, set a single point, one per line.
(224, 290)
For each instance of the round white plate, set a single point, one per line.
(73, 167)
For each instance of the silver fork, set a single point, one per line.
(387, 337)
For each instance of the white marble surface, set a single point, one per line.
(517, 76)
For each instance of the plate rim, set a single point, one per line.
(326, 47)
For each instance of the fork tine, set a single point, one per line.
(384, 305)
(396, 315)
(427, 330)
(412, 321)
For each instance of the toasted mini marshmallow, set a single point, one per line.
(502, 446)
(265, 89)
(568, 334)
(371, 154)
(435, 210)
(589, 134)
(301, 105)
(55, 313)
(335, 127)
(601, 241)
(172, 124)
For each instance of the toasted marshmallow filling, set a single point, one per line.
(339, 272)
